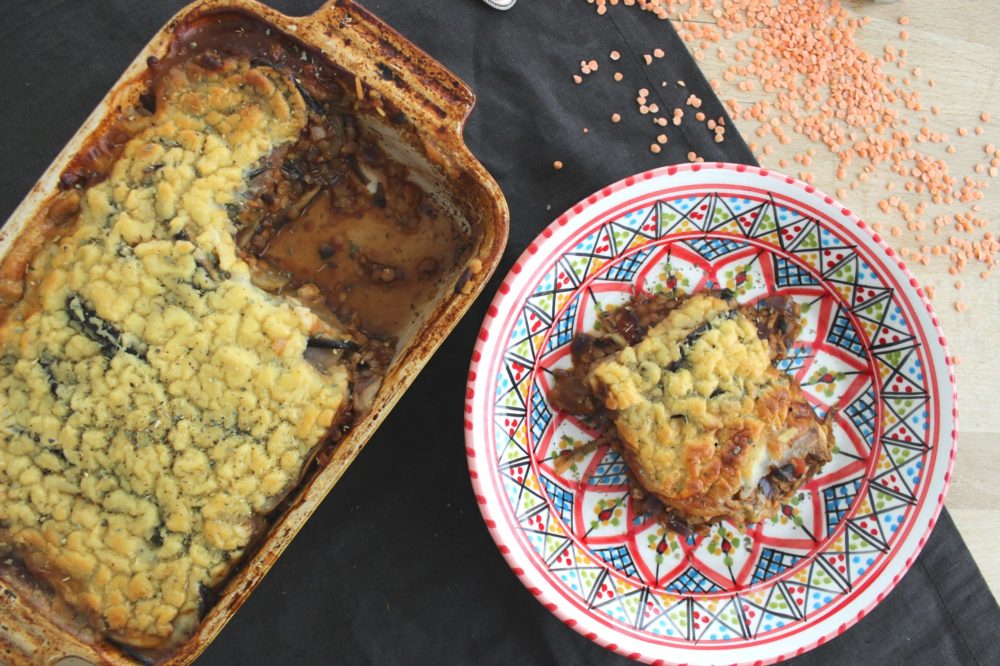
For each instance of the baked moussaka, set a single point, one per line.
(213, 296)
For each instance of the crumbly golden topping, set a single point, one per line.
(152, 400)
(702, 413)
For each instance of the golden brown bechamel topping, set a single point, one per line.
(153, 401)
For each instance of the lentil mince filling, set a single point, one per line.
(687, 391)
(216, 293)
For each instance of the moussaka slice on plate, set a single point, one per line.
(709, 427)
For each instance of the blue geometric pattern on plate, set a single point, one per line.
(837, 501)
(787, 274)
(619, 558)
(693, 580)
(771, 563)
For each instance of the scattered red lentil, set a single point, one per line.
(654, 148)
(557, 165)
(616, 117)
(615, 55)
(821, 84)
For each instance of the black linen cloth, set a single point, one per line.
(396, 566)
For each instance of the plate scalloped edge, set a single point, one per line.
(848, 219)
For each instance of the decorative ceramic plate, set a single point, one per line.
(870, 346)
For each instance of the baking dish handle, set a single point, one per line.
(436, 89)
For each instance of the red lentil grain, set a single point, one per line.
(799, 52)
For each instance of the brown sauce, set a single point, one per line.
(365, 264)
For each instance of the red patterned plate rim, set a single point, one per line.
(504, 530)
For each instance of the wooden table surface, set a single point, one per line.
(954, 43)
